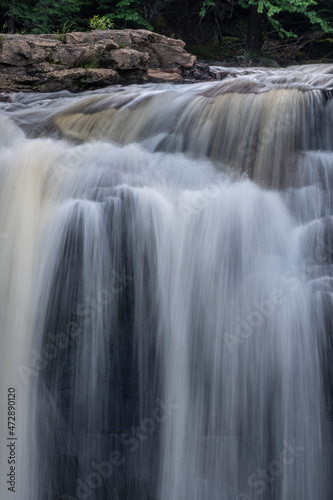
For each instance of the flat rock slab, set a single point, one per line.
(164, 76)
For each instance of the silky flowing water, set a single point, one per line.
(166, 279)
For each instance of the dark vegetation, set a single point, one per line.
(237, 31)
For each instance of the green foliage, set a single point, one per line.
(61, 37)
(92, 62)
(101, 23)
(42, 16)
(15, 11)
(324, 10)
(67, 27)
(272, 8)
(205, 7)
(62, 16)
(126, 13)
(50, 57)
(48, 14)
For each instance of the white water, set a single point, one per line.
(165, 320)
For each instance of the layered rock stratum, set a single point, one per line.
(80, 61)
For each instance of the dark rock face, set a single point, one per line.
(80, 61)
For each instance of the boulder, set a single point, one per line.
(171, 56)
(126, 59)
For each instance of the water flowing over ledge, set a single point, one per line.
(166, 290)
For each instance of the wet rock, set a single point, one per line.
(200, 72)
(5, 97)
(164, 76)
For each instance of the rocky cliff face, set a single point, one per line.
(79, 61)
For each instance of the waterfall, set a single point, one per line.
(166, 288)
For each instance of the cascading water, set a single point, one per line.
(166, 291)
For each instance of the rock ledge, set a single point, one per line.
(82, 61)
